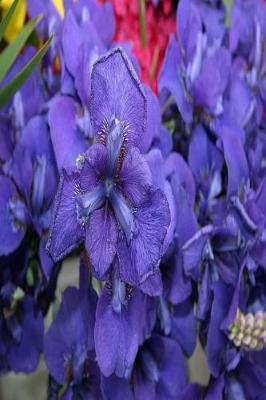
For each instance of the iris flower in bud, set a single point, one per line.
(108, 200)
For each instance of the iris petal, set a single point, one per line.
(92, 200)
(38, 184)
(123, 214)
(114, 144)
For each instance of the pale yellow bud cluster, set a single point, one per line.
(249, 331)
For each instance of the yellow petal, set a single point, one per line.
(60, 7)
(18, 19)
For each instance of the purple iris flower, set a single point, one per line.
(21, 323)
(196, 67)
(69, 342)
(27, 202)
(108, 200)
(159, 371)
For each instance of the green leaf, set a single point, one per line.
(14, 85)
(18, 294)
(11, 52)
(5, 21)
(228, 8)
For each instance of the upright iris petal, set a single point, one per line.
(114, 143)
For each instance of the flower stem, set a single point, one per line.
(142, 22)
(154, 63)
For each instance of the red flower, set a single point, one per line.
(159, 24)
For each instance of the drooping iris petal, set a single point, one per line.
(135, 176)
(66, 138)
(10, 236)
(116, 334)
(115, 81)
(71, 333)
(101, 240)
(65, 230)
(140, 256)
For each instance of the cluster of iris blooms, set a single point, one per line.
(162, 199)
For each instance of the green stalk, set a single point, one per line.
(154, 62)
(142, 23)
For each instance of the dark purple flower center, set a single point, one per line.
(107, 191)
(120, 291)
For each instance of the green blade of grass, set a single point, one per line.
(14, 85)
(10, 53)
(5, 21)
